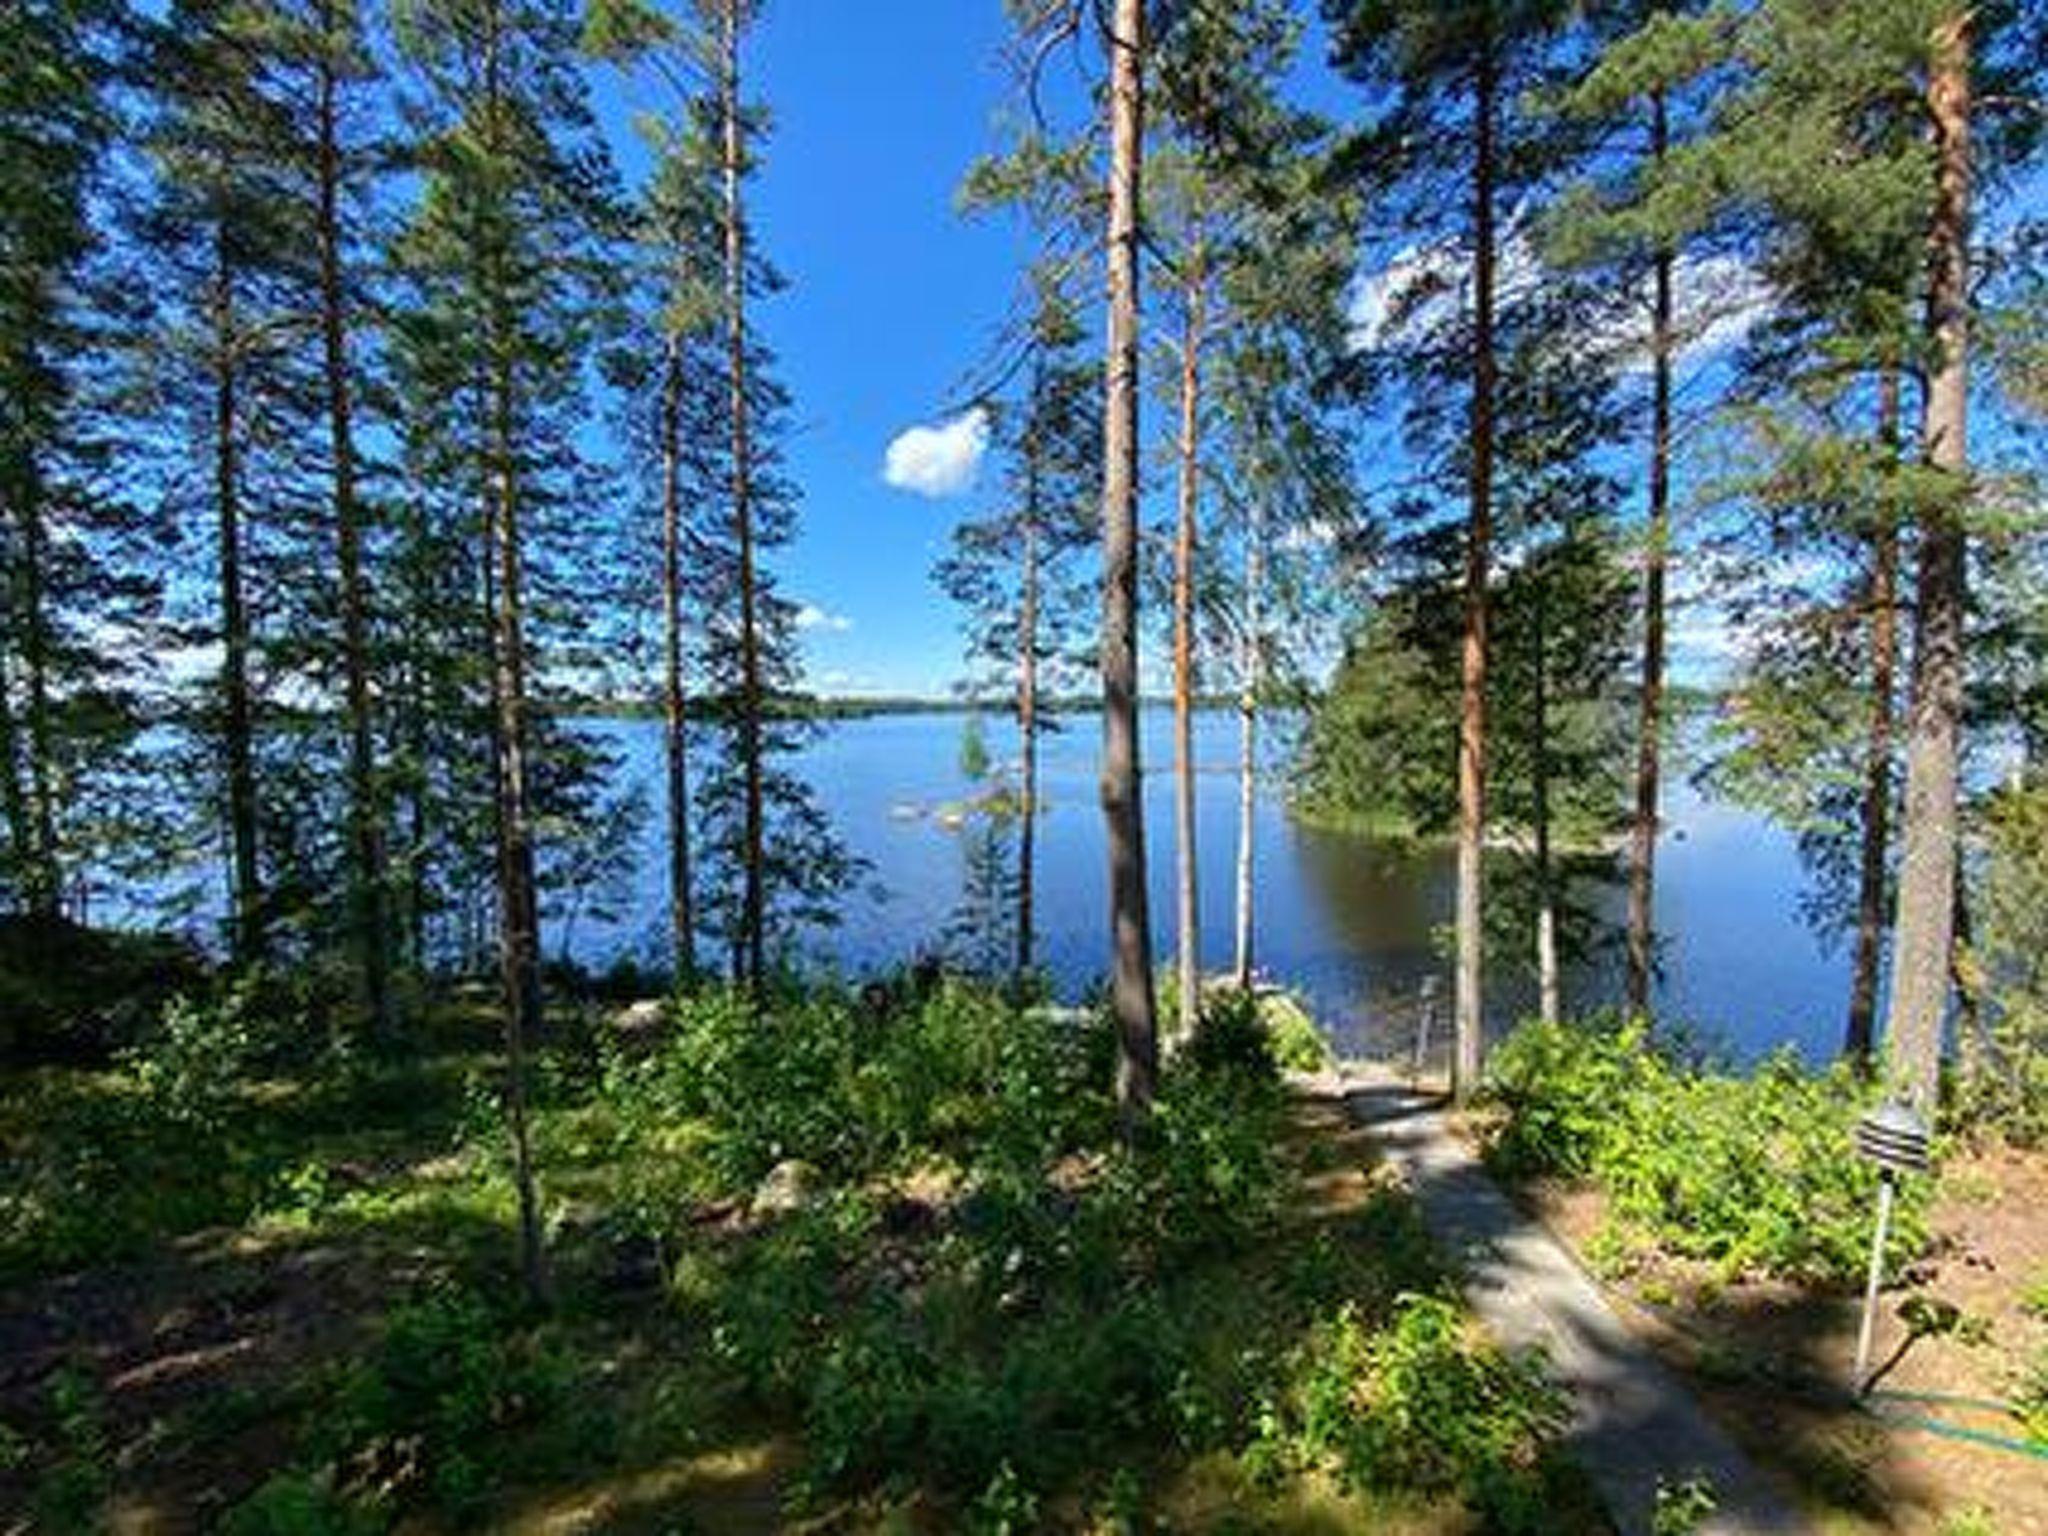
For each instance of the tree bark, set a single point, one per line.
(237, 729)
(753, 899)
(1925, 932)
(1248, 734)
(13, 793)
(1642, 877)
(1471, 1011)
(1186, 889)
(1860, 1034)
(1123, 805)
(1027, 695)
(366, 822)
(682, 925)
(518, 912)
(1549, 988)
(42, 865)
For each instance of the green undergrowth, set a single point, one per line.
(892, 1234)
(1754, 1173)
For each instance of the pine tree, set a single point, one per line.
(1644, 79)
(1123, 807)
(767, 861)
(222, 235)
(505, 254)
(72, 583)
(1447, 140)
(666, 367)
(1013, 569)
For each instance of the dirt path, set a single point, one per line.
(1640, 1433)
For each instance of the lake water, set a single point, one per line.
(1348, 921)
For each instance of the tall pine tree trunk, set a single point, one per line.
(518, 910)
(1186, 888)
(1642, 860)
(1123, 805)
(1860, 1035)
(754, 902)
(1470, 1003)
(682, 924)
(1248, 734)
(42, 877)
(13, 793)
(1549, 988)
(238, 748)
(367, 883)
(1027, 700)
(1925, 934)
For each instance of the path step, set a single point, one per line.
(1638, 1427)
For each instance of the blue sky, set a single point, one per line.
(878, 110)
(894, 298)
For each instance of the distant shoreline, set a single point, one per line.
(857, 707)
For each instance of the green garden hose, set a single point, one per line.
(1877, 1404)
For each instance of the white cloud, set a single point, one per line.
(811, 616)
(938, 461)
(1411, 293)
(1719, 298)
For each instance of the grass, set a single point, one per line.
(979, 1312)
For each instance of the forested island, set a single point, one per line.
(495, 1033)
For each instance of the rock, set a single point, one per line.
(641, 1020)
(790, 1186)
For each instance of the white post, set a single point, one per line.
(1866, 1334)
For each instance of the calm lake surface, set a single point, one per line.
(1348, 921)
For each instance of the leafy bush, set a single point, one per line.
(189, 1067)
(430, 1410)
(1422, 1405)
(2004, 1082)
(849, 1082)
(1049, 1315)
(1754, 1173)
(291, 1504)
(2031, 1402)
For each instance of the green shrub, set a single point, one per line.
(189, 1068)
(72, 1491)
(432, 1411)
(2031, 1401)
(292, 1504)
(853, 1082)
(2003, 1084)
(1754, 1173)
(1421, 1405)
(1257, 1032)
